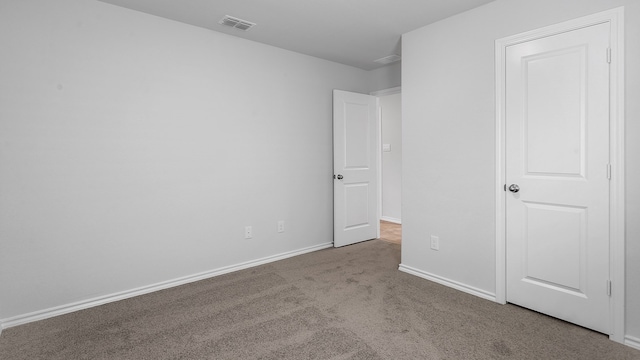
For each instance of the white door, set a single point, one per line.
(557, 154)
(355, 161)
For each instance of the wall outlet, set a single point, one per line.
(435, 243)
(248, 232)
(281, 226)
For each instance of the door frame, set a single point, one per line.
(378, 94)
(615, 17)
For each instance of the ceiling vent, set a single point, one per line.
(388, 59)
(236, 23)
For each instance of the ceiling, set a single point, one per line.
(351, 32)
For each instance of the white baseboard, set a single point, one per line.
(101, 300)
(391, 220)
(450, 283)
(631, 341)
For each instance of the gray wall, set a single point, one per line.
(449, 139)
(135, 149)
(385, 77)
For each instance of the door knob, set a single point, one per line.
(340, 177)
(514, 188)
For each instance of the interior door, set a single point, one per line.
(355, 162)
(557, 163)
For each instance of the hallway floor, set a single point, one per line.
(390, 232)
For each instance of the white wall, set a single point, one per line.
(386, 77)
(134, 150)
(449, 138)
(391, 119)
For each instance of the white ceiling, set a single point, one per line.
(351, 32)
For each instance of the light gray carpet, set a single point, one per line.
(347, 303)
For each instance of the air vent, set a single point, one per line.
(388, 59)
(236, 23)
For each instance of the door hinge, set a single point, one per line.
(609, 55)
(505, 187)
(609, 171)
(608, 287)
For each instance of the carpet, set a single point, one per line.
(346, 303)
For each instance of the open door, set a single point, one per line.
(355, 168)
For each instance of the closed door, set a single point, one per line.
(557, 166)
(355, 167)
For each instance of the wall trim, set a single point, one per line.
(391, 220)
(633, 342)
(447, 282)
(615, 17)
(385, 92)
(379, 162)
(101, 300)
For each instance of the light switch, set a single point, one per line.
(435, 243)
(386, 147)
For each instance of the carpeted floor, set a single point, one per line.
(347, 303)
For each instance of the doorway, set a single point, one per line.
(557, 251)
(390, 117)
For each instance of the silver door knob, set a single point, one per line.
(340, 177)
(514, 188)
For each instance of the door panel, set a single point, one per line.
(560, 229)
(555, 119)
(356, 134)
(557, 152)
(356, 205)
(355, 167)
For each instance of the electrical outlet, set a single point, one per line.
(435, 243)
(281, 226)
(248, 232)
